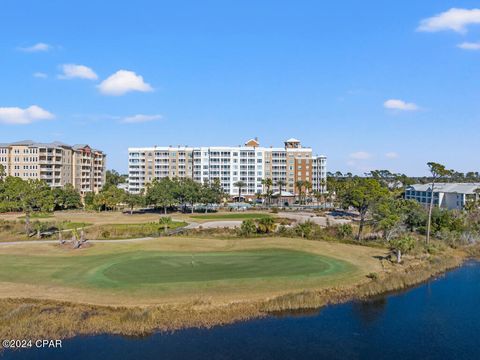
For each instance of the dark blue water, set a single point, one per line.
(437, 320)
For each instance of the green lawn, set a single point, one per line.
(232, 216)
(161, 271)
(67, 225)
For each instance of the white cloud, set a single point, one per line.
(123, 81)
(454, 19)
(39, 47)
(360, 155)
(140, 118)
(359, 166)
(396, 104)
(40, 75)
(469, 46)
(391, 155)
(72, 71)
(19, 116)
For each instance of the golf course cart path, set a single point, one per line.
(302, 217)
(215, 224)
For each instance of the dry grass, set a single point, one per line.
(130, 231)
(91, 217)
(105, 225)
(117, 217)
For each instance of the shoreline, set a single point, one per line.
(25, 318)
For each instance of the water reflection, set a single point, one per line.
(370, 311)
(296, 313)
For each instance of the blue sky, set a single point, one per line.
(370, 84)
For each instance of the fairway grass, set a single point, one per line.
(176, 270)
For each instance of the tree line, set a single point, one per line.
(164, 193)
(379, 201)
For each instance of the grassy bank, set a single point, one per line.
(25, 318)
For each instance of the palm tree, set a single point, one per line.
(308, 187)
(165, 221)
(281, 184)
(323, 184)
(268, 183)
(299, 186)
(477, 196)
(437, 171)
(319, 196)
(240, 184)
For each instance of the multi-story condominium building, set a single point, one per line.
(56, 163)
(88, 169)
(250, 163)
(445, 195)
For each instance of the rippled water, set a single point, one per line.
(437, 320)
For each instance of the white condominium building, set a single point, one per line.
(56, 163)
(445, 195)
(250, 163)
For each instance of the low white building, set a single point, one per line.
(445, 195)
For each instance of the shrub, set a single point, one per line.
(283, 221)
(434, 248)
(165, 220)
(266, 225)
(282, 230)
(247, 228)
(344, 231)
(402, 245)
(373, 276)
(304, 229)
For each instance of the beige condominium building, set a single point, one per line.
(56, 163)
(249, 163)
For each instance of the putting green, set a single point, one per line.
(161, 269)
(170, 268)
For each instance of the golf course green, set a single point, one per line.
(176, 267)
(135, 269)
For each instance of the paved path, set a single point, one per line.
(215, 224)
(319, 220)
